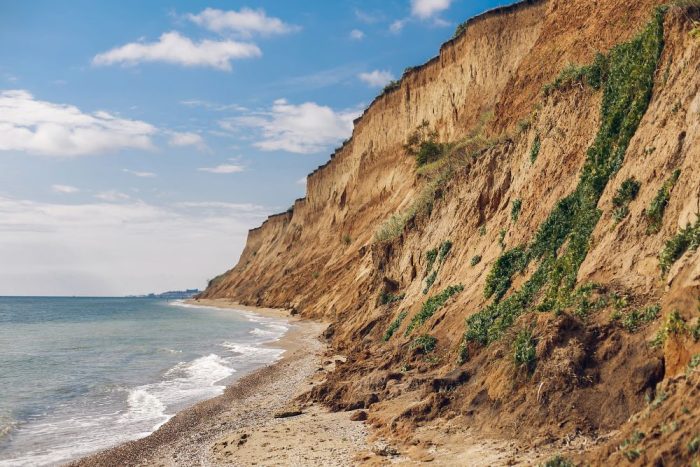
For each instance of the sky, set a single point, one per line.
(140, 141)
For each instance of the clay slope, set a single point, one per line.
(540, 274)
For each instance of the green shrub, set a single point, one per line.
(430, 256)
(693, 445)
(524, 351)
(391, 228)
(482, 230)
(501, 275)
(426, 343)
(629, 446)
(347, 240)
(558, 461)
(431, 305)
(429, 281)
(626, 193)
(674, 325)
(655, 212)
(561, 242)
(694, 362)
(536, 146)
(429, 151)
(515, 209)
(635, 319)
(394, 326)
(476, 259)
(445, 248)
(461, 28)
(386, 298)
(391, 85)
(501, 237)
(593, 75)
(686, 239)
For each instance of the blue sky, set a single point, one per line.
(139, 141)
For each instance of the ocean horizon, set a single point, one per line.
(81, 374)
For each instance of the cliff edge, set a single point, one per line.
(508, 243)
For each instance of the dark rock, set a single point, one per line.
(359, 416)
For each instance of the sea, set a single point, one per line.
(78, 375)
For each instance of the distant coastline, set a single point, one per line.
(170, 295)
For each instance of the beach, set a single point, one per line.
(256, 420)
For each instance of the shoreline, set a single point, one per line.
(203, 433)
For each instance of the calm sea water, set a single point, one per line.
(82, 374)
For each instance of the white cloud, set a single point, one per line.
(174, 48)
(39, 127)
(397, 26)
(66, 189)
(357, 35)
(302, 181)
(112, 196)
(136, 173)
(114, 249)
(223, 169)
(377, 78)
(304, 129)
(425, 9)
(245, 22)
(178, 139)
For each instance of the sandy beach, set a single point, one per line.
(256, 421)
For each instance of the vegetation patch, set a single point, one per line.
(430, 256)
(429, 281)
(524, 351)
(626, 193)
(629, 447)
(476, 259)
(385, 298)
(391, 228)
(626, 75)
(593, 75)
(655, 211)
(686, 239)
(558, 461)
(423, 146)
(535, 149)
(445, 248)
(635, 319)
(426, 343)
(394, 326)
(431, 305)
(515, 209)
(674, 325)
(501, 275)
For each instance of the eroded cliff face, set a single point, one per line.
(591, 364)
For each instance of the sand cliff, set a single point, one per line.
(611, 347)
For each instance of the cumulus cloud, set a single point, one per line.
(40, 127)
(223, 169)
(425, 9)
(245, 22)
(377, 78)
(105, 248)
(181, 139)
(304, 129)
(357, 35)
(65, 189)
(176, 49)
(137, 173)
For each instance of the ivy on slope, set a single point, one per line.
(561, 243)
